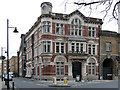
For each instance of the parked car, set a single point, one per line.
(6, 77)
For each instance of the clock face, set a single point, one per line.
(44, 8)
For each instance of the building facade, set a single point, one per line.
(13, 64)
(0, 69)
(109, 55)
(22, 56)
(62, 45)
(5, 66)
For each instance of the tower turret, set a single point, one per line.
(46, 8)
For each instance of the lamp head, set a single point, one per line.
(15, 31)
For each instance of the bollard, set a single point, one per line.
(65, 80)
(54, 80)
(12, 85)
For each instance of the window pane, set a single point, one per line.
(57, 30)
(48, 48)
(44, 48)
(80, 32)
(89, 31)
(81, 47)
(48, 29)
(62, 47)
(62, 71)
(77, 47)
(57, 47)
(72, 32)
(108, 46)
(72, 21)
(76, 32)
(58, 71)
(89, 49)
(93, 49)
(62, 31)
(76, 20)
(44, 29)
(73, 47)
(89, 71)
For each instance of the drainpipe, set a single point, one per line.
(99, 55)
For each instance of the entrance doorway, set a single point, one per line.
(108, 69)
(76, 69)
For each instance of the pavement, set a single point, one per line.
(2, 85)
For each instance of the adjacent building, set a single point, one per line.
(22, 57)
(0, 69)
(13, 64)
(63, 45)
(109, 55)
(5, 66)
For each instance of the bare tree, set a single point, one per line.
(107, 6)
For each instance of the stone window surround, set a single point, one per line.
(60, 46)
(92, 31)
(108, 46)
(46, 27)
(92, 49)
(96, 64)
(61, 28)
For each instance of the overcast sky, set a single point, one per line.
(23, 14)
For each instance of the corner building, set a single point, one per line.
(62, 45)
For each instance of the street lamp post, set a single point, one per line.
(15, 31)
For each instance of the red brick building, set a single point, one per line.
(62, 45)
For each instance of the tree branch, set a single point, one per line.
(108, 6)
(85, 4)
(114, 10)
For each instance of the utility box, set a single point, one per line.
(54, 80)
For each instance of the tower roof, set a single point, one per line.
(48, 3)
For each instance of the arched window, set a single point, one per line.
(91, 66)
(76, 28)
